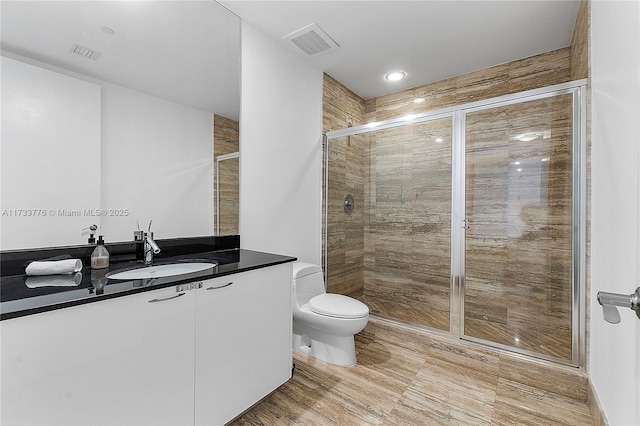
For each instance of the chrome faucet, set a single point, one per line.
(148, 245)
(150, 248)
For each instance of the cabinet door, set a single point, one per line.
(123, 361)
(243, 335)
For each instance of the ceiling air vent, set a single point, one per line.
(84, 51)
(312, 40)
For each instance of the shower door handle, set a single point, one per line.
(466, 224)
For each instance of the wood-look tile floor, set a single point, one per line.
(401, 380)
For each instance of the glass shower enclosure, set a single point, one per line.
(466, 221)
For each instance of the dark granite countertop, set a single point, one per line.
(18, 297)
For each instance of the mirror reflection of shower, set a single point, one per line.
(227, 194)
(226, 186)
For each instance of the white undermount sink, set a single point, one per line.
(160, 271)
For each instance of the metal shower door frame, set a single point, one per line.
(578, 270)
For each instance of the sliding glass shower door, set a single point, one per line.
(389, 246)
(519, 220)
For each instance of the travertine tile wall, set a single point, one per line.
(407, 228)
(342, 108)
(529, 73)
(350, 160)
(226, 141)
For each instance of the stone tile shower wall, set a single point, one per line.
(525, 74)
(580, 43)
(408, 223)
(347, 162)
(395, 280)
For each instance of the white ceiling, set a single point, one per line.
(188, 51)
(430, 40)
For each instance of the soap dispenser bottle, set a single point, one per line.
(100, 255)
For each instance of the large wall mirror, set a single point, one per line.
(114, 113)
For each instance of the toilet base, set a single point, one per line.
(331, 348)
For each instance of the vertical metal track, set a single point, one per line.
(325, 198)
(456, 314)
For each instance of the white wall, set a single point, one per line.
(157, 164)
(50, 156)
(280, 145)
(615, 349)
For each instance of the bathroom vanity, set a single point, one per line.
(173, 351)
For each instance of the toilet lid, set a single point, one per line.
(337, 305)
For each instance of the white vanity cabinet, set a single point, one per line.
(243, 341)
(124, 361)
(198, 353)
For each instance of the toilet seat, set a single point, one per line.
(338, 306)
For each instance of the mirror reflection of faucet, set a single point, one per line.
(144, 282)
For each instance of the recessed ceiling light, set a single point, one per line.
(395, 75)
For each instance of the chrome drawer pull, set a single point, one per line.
(166, 298)
(220, 286)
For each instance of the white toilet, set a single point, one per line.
(324, 324)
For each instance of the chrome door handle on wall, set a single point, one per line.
(609, 301)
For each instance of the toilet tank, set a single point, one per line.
(308, 282)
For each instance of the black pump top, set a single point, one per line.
(91, 240)
(100, 240)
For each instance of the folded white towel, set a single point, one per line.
(67, 266)
(67, 280)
